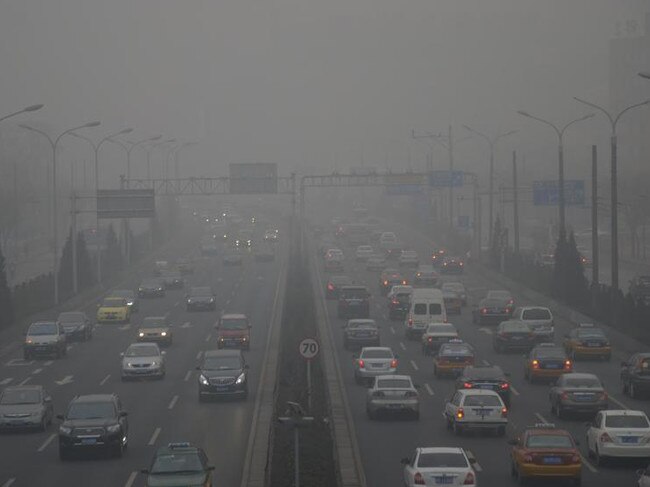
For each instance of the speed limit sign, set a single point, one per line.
(309, 348)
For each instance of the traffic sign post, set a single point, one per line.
(446, 179)
(309, 349)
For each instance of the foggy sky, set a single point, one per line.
(330, 83)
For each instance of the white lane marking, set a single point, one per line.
(105, 379)
(173, 402)
(49, 440)
(131, 479)
(198, 355)
(514, 391)
(585, 462)
(37, 371)
(66, 380)
(186, 325)
(24, 381)
(486, 363)
(414, 365)
(618, 403)
(9, 482)
(188, 375)
(207, 339)
(227, 302)
(70, 347)
(402, 345)
(428, 388)
(124, 327)
(17, 362)
(154, 436)
(177, 303)
(6, 381)
(392, 330)
(48, 363)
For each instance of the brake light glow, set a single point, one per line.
(528, 458)
(460, 414)
(362, 364)
(467, 385)
(535, 364)
(576, 459)
(461, 264)
(504, 412)
(330, 286)
(418, 479)
(385, 282)
(394, 301)
(483, 311)
(410, 322)
(404, 282)
(430, 339)
(393, 364)
(469, 479)
(567, 364)
(565, 395)
(504, 386)
(605, 438)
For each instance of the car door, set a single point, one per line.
(124, 422)
(452, 406)
(594, 431)
(554, 391)
(409, 469)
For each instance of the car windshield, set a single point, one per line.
(200, 291)
(221, 363)
(549, 441)
(482, 400)
(550, 352)
(91, 410)
(71, 317)
(581, 382)
(43, 329)
(456, 350)
(234, 323)
(113, 303)
(536, 314)
(177, 463)
(393, 384)
(153, 323)
(499, 295)
(362, 324)
(591, 333)
(377, 354)
(626, 421)
(453, 287)
(442, 460)
(13, 397)
(142, 351)
(493, 303)
(513, 327)
(340, 280)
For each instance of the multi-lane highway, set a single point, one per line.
(158, 411)
(383, 443)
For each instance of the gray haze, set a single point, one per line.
(303, 83)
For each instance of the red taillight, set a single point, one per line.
(604, 396)
(418, 479)
(483, 311)
(576, 459)
(504, 412)
(567, 364)
(330, 286)
(504, 386)
(564, 396)
(469, 479)
(460, 264)
(535, 364)
(460, 414)
(528, 458)
(512, 301)
(467, 385)
(605, 438)
(404, 282)
(385, 283)
(411, 394)
(393, 364)
(362, 364)
(410, 322)
(430, 339)
(395, 301)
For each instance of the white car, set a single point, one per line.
(439, 466)
(540, 320)
(620, 433)
(476, 409)
(455, 287)
(364, 252)
(143, 359)
(372, 362)
(393, 394)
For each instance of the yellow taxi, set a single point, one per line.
(587, 341)
(452, 358)
(544, 451)
(155, 329)
(113, 310)
(546, 361)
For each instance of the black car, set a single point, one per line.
(334, 284)
(76, 325)
(399, 301)
(93, 422)
(179, 464)
(201, 299)
(635, 375)
(390, 278)
(151, 288)
(513, 335)
(354, 302)
(491, 312)
(452, 265)
(490, 377)
(172, 280)
(360, 333)
(223, 373)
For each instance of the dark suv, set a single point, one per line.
(635, 375)
(490, 377)
(93, 422)
(354, 302)
(223, 373)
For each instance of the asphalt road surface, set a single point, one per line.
(383, 443)
(159, 411)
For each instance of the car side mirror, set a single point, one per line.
(405, 461)
(47, 399)
(60, 416)
(123, 414)
(472, 460)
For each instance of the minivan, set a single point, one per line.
(427, 306)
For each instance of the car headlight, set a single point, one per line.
(203, 380)
(129, 303)
(159, 289)
(113, 428)
(154, 364)
(189, 301)
(141, 334)
(65, 430)
(29, 341)
(163, 334)
(129, 365)
(212, 300)
(241, 378)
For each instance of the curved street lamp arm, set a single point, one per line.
(482, 135)
(599, 108)
(590, 115)
(526, 114)
(636, 105)
(38, 131)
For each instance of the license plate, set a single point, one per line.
(517, 338)
(222, 388)
(483, 412)
(593, 344)
(88, 441)
(553, 366)
(485, 386)
(444, 480)
(378, 366)
(583, 397)
(629, 439)
(394, 406)
(552, 460)
(362, 335)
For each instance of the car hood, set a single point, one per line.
(72, 326)
(176, 480)
(200, 299)
(158, 329)
(89, 423)
(21, 408)
(149, 286)
(42, 338)
(221, 373)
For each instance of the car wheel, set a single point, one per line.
(26, 356)
(521, 480)
(624, 389)
(577, 481)
(559, 410)
(457, 428)
(598, 459)
(43, 425)
(513, 470)
(118, 451)
(634, 394)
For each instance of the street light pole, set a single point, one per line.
(613, 120)
(54, 143)
(492, 141)
(560, 136)
(31, 108)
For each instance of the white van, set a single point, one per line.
(427, 306)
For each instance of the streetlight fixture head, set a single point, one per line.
(156, 137)
(92, 124)
(645, 74)
(25, 126)
(524, 113)
(126, 131)
(33, 108)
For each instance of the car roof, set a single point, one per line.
(402, 377)
(155, 318)
(340, 278)
(175, 448)
(478, 392)
(624, 412)
(362, 320)
(222, 353)
(142, 344)
(369, 349)
(441, 449)
(526, 308)
(44, 322)
(343, 288)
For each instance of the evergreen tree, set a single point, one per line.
(112, 258)
(495, 248)
(6, 302)
(84, 264)
(569, 282)
(65, 269)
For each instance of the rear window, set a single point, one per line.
(550, 352)
(515, 327)
(366, 326)
(591, 333)
(626, 421)
(482, 400)
(549, 441)
(450, 460)
(377, 354)
(582, 382)
(420, 309)
(394, 384)
(536, 314)
(456, 350)
(354, 294)
(234, 323)
(435, 309)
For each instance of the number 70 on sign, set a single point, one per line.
(309, 348)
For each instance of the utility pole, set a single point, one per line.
(73, 214)
(594, 214)
(450, 145)
(515, 201)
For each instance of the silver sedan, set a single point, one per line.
(393, 394)
(143, 360)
